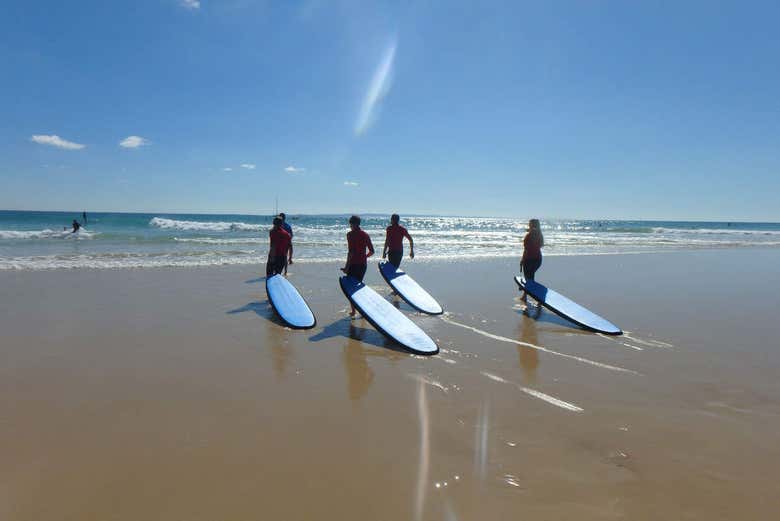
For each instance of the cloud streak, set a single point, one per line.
(377, 90)
(56, 141)
(294, 170)
(351, 183)
(248, 166)
(191, 4)
(134, 142)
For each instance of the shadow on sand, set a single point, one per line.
(347, 328)
(261, 309)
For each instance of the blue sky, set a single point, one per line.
(583, 109)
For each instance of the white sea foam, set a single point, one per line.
(46, 234)
(130, 260)
(218, 226)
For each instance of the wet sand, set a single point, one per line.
(175, 394)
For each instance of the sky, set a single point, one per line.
(557, 109)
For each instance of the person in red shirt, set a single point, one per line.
(532, 252)
(359, 249)
(280, 247)
(394, 242)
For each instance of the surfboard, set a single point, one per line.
(288, 303)
(412, 293)
(567, 308)
(386, 318)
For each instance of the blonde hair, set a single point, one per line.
(535, 228)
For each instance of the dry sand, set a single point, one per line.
(175, 395)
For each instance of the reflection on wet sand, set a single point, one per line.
(481, 440)
(275, 337)
(281, 352)
(354, 352)
(425, 449)
(359, 374)
(529, 358)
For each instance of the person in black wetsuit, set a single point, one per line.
(76, 226)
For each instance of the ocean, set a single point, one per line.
(42, 240)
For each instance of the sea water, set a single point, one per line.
(42, 240)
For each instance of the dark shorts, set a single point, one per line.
(530, 266)
(275, 265)
(357, 271)
(394, 257)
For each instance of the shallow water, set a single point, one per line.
(37, 240)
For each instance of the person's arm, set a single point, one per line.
(384, 248)
(411, 243)
(349, 256)
(290, 251)
(525, 247)
(370, 247)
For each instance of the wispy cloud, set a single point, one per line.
(56, 141)
(351, 183)
(294, 170)
(377, 90)
(227, 169)
(248, 166)
(191, 4)
(134, 142)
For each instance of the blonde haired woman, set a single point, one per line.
(532, 252)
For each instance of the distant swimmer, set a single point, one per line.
(358, 243)
(76, 226)
(288, 229)
(532, 252)
(280, 246)
(84, 216)
(394, 242)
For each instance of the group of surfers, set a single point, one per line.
(360, 248)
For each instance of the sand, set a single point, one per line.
(174, 394)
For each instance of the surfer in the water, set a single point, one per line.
(532, 252)
(280, 246)
(394, 242)
(359, 249)
(76, 226)
(288, 229)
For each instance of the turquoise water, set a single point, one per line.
(37, 240)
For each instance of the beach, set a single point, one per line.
(174, 393)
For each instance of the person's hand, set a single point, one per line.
(344, 270)
(289, 261)
(370, 254)
(384, 255)
(411, 254)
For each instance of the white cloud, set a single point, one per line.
(377, 90)
(134, 142)
(227, 169)
(56, 141)
(293, 170)
(191, 4)
(248, 166)
(351, 183)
